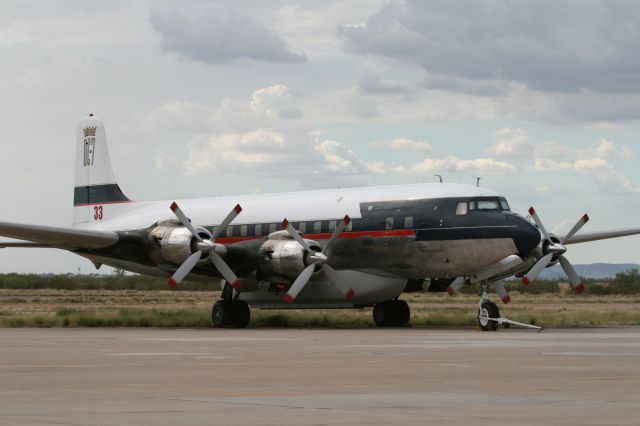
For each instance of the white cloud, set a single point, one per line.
(454, 164)
(516, 143)
(513, 143)
(404, 144)
(275, 101)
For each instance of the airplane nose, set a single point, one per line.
(527, 237)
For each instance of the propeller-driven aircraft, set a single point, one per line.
(337, 248)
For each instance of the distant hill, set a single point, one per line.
(594, 270)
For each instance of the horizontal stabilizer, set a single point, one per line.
(68, 238)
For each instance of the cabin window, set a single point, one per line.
(303, 227)
(332, 225)
(408, 222)
(388, 223)
(317, 226)
(243, 231)
(259, 229)
(462, 208)
(272, 228)
(229, 231)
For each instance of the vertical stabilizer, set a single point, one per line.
(96, 194)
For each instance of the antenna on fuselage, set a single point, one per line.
(478, 182)
(439, 177)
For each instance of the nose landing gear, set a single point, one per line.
(489, 318)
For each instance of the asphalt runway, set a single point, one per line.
(310, 376)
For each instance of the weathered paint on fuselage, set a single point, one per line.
(409, 231)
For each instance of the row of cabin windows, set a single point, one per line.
(265, 229)
(304, 227)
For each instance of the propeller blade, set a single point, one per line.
(502, 292)
(537, 269)
(576, 228)
(295, 235)
(337, 280)
(227, 220)
(574, 278)
(224, 270)
(339, 229)
(299, 284)
(538, 222)
(184, 269)
(455, 286)
(184, 220)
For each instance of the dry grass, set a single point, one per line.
(130, 308)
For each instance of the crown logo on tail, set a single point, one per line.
(90, 131)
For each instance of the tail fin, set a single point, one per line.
(96, 195)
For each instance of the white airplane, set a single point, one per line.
(338, 248)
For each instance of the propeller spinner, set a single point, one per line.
(205, 246)
(315, 258)
(555, 249)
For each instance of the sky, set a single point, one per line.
(541, 99)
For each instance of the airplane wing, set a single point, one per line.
(596, 236)
(48, 236)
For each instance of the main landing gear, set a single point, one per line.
(392, 313)
(230, 311)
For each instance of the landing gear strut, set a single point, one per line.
(230, 311)
(392, 313)
(489, 318)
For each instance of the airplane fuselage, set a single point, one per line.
(405, 231)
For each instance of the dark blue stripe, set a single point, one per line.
(98, 194)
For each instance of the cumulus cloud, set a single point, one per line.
(267, 106)
(551, 156)
(258, 137)
(516, 143)
(214, 36)
(454, 164)
(513, 143)
(275, 101)
(404, 144)
(545, 45)
(270, 153)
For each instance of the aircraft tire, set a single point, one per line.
(241, 314)
(382, 314)
(220, 314)
(402, 313)
(491, 310)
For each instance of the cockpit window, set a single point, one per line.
(488, 205)
(462, 208)
(504, 204)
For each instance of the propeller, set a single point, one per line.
(205, 246)
(457, 284)
(555, 249)
(317, 258)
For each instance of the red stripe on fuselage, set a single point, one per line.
(326, 236)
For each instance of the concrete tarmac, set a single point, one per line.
(306, 376)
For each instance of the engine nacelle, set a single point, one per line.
(173, 244)
(281, 257)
